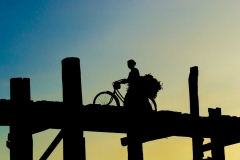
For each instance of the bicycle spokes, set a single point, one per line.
(106, 98)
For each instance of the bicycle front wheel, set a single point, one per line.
(106, 98)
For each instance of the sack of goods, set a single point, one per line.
(150, 85)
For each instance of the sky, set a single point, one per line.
(164, 37)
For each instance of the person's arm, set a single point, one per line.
(123, 81)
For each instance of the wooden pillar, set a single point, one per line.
(73, 140)
(197, 139)
(20, 138)
(216, 139)
(135, 149)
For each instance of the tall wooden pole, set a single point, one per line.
(135, 149)
(73, 140)
(20, 138)
(197, 139)
(216, 139)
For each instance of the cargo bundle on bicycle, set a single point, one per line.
(151, 85)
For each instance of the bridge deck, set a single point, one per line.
(44, 115)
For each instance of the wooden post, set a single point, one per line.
(216, 139)
(135, 149)
(20, 138)
(73, 140)
(197, 139)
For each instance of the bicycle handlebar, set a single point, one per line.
(116, 85)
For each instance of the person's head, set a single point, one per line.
(131, 63)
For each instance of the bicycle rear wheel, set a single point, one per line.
(153, 104)
(106, 98)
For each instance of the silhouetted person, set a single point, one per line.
(136, 99)
(132, 102)
(133, 88)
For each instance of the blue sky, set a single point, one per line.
(165, 38)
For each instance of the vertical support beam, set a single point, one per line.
(20, 138)
(135, 149)
(73, 140)
(216, 139)
(197, 139)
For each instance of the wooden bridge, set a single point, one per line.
(73, 118)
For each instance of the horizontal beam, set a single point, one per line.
(44, 115)
(124, 140)
(226, 142)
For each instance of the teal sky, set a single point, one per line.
(164, 37)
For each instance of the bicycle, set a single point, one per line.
(112, 98)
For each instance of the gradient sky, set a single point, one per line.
(164, 37)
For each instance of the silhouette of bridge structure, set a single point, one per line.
(26, 117)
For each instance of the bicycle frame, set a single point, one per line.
(121, 98)
(118, 95)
